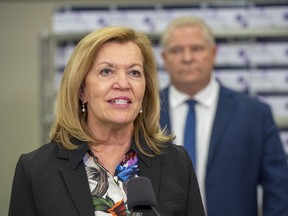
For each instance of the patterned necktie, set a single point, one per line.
(190, 131)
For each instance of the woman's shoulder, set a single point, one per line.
(175, 161)
(45, 151)
(175, 151)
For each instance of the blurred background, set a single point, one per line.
(37, 37)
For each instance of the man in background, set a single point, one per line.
(237, 144)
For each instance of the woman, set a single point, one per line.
(106, 132)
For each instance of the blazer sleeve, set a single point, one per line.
(274, 171)
(21, 201)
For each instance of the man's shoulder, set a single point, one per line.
(242, 98)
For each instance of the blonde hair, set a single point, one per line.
(187, 21)
(70, 121)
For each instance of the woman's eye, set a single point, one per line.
(105, 72)
(135, 73)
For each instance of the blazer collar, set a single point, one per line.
(75, 156)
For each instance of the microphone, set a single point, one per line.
(140, 195)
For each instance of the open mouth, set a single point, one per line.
(120, 101)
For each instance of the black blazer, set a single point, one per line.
(51, 181)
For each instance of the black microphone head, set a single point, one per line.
(140, 193)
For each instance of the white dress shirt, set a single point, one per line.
(205, 109)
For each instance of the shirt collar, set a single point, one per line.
(176, 97)
(206, 97)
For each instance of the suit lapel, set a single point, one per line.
(151, 171)
(78, 188)
(75, 178)
(223, 114)
(165, 109)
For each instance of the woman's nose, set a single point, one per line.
(122, 81)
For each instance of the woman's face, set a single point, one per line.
(115, 85)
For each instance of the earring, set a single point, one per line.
(141, 111)
(83, 108)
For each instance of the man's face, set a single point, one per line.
(189, 59)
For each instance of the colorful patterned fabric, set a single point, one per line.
(109, 192)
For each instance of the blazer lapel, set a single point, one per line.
(222, 118)
(149, 167)
(74, 175)
(165, 108)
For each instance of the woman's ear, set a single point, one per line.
(82, 95)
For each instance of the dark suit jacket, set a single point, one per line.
(52, 182)
(245, 150)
